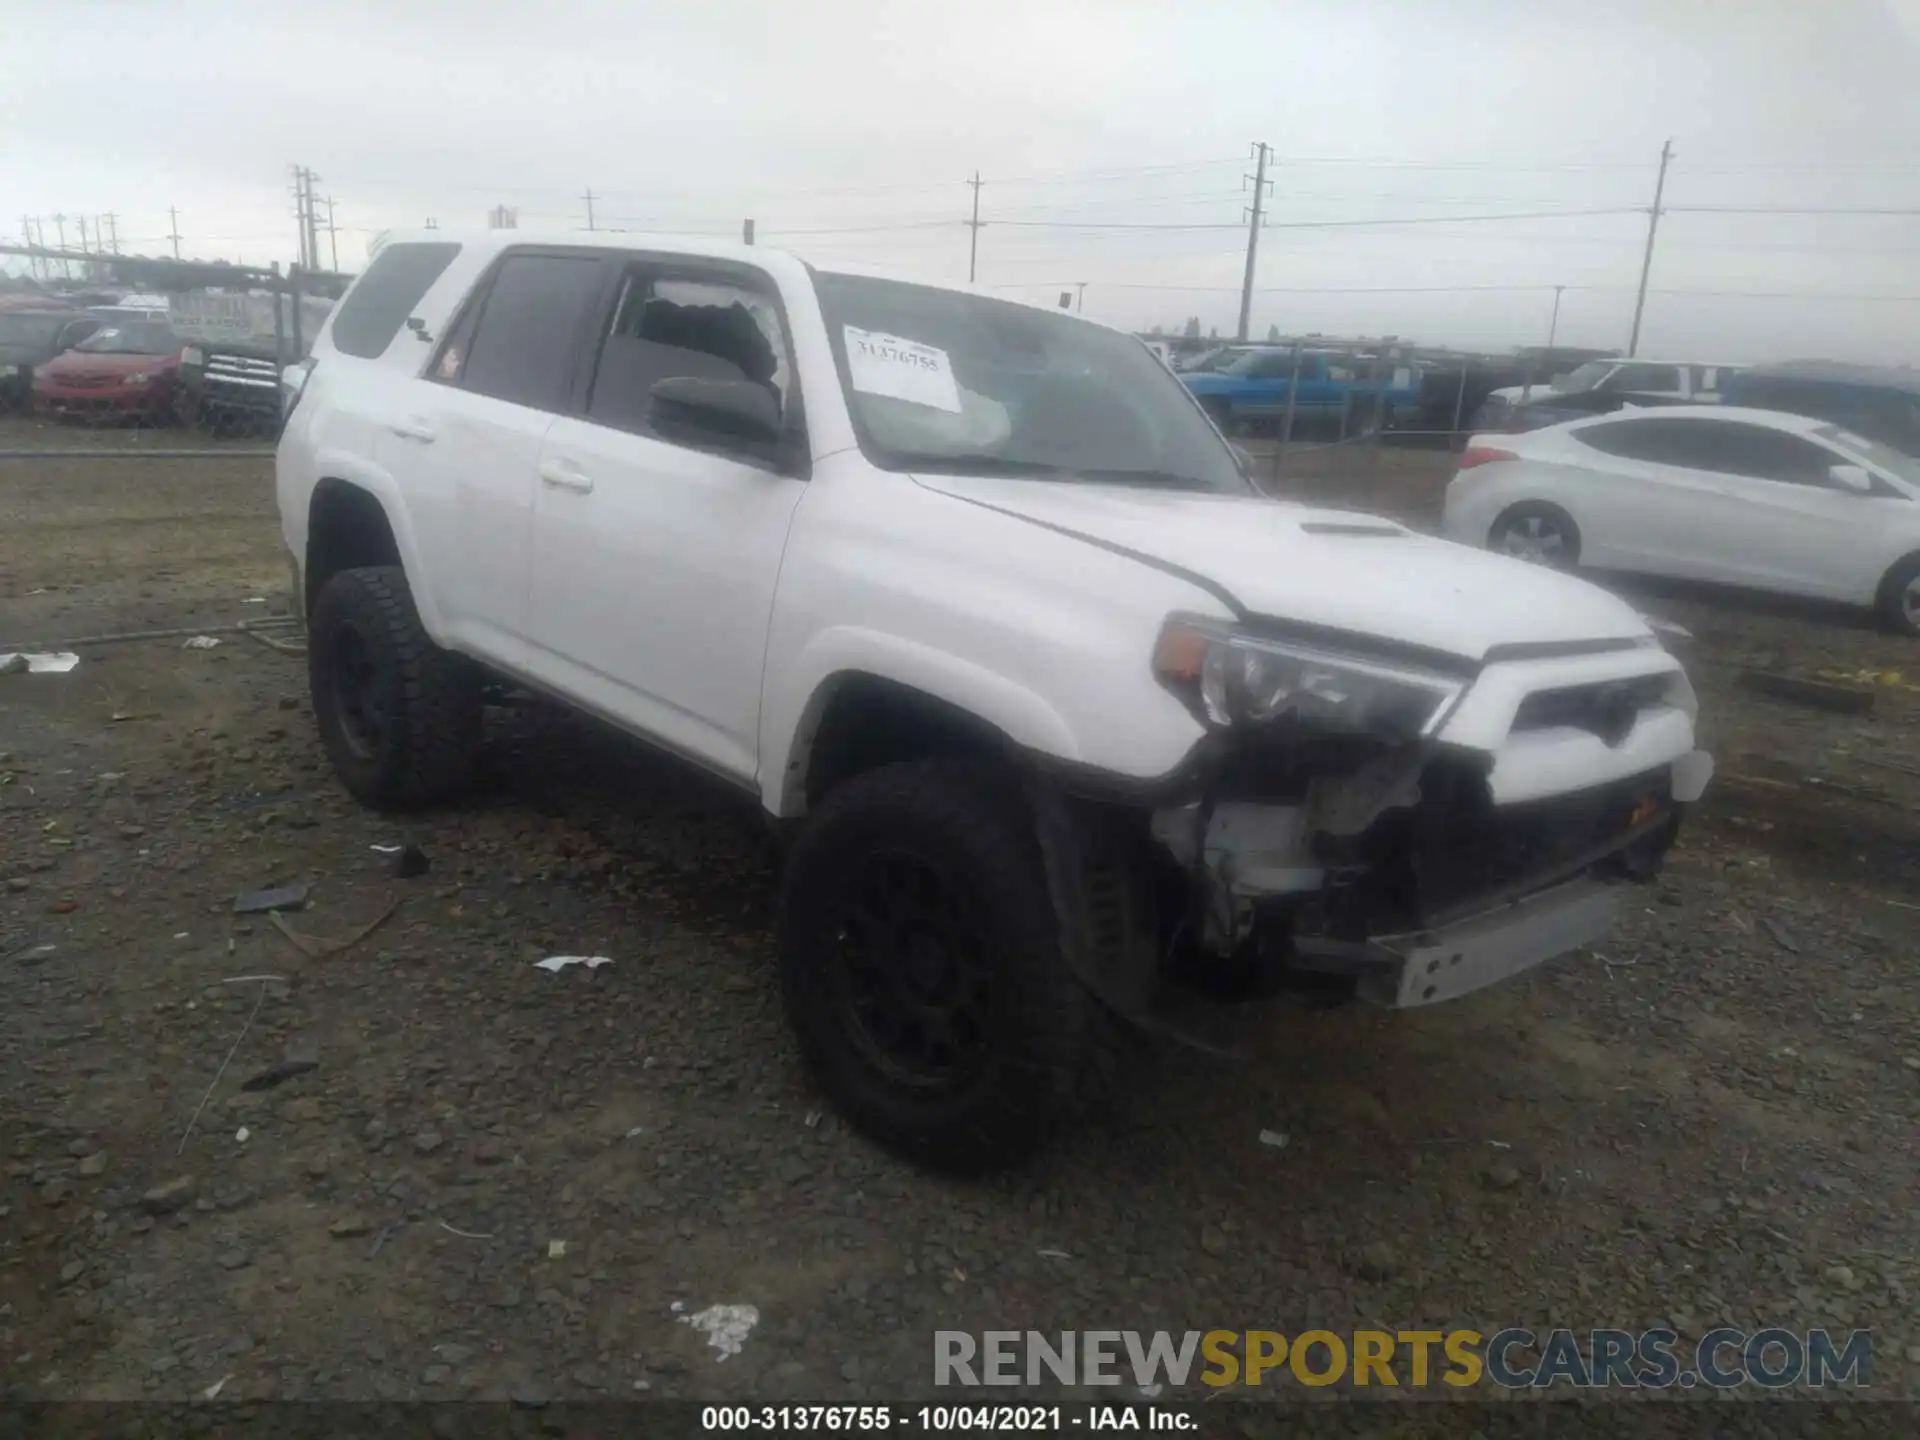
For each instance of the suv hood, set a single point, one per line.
(1338, 569)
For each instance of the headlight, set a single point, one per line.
(141, 379)
(1227, 677)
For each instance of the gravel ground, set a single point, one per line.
(422, 1168)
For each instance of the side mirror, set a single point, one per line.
(738, 408)
(1852, 477)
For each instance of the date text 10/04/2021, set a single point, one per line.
(939, 1419)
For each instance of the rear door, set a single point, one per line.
(470, 432)
(1645, 507)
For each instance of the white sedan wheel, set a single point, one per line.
(1540, 539)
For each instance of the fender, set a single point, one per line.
(792, 712)
(333, 463)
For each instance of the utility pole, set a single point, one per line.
(173, 220)
(313, 224)
(1646, 264)
(1080, 305)
(300, 210)
(973, 225)
(1254, 218)
(1553, 325)
(333, 237)
(26, 234)
(60, 229)
(746, 232)
(588, 197)
(113, 232)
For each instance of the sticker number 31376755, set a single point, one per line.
(880, 364)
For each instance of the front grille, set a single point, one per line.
(1608, 709)
(242, 370)
(1455, 848)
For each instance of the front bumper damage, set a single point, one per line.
(1406, 882)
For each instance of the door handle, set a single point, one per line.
(565, 475)
(414, 428)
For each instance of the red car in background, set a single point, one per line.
(126, 370)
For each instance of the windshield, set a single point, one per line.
(30, 328)
(144, 338)
(1903, 467)
(940, 380)
(1585, 377)
(1234, 362)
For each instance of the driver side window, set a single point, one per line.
(666, 325)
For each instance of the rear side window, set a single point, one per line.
(1663, 379)
(1727, 447)
(379, 305)
(526, 341)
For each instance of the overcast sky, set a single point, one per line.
(838, 117)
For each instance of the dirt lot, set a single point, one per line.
(502, 1181)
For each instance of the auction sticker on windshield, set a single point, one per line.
(901, 370)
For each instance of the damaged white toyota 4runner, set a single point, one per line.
(1068, 728)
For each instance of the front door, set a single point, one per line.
(657, 541)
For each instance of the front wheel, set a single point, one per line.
(1537, 532)
(1899, 602)
(398, 716)
(922, 967)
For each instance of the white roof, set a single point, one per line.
(485, 243)
(1716, 414)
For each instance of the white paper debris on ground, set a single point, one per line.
(38, 662)
(254, 600)
(677, 1306)
(1274, 1139)
(557, 963)
(386, 849)
(242, 1134)
(1054, 1254)
(725, 1326)
(899, 369)
(200, 642)
(212, 1392)
(556, 1249)
(636, 1132)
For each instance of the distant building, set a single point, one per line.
(503, 217)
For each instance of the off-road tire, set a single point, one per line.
(1045, 1034)
(1896, 614)
(428, 698)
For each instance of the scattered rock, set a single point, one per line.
(488, 1151)
(1213, 1240)
(530, 1395)
(72, 1271)
(427, 1141)
(259, 902)
(55, 1192)
(82, 1146)
(167, 1198)
(1501, 1175)
(409, 864)
(234, 1259)
(435, 1375)
(454, 1354)
(1378, 1261)
(94, 1164)
(317, 1167)
(349, 1226)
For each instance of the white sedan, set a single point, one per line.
(1752, 498)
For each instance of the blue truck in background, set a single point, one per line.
(1251, 391)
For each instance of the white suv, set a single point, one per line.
(1065, 723)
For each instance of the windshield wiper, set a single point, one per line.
(1167, 478)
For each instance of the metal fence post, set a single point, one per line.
(1293, 397)
(1382, 358)
(293, 308)
(279, 320)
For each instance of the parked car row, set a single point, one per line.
(206, 358)
(1728, 495)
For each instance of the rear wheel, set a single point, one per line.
(1537, 532)
(1899, 605)
(922, 966)
(398, 716)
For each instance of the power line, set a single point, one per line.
(1786, 210)
(1327, 224)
